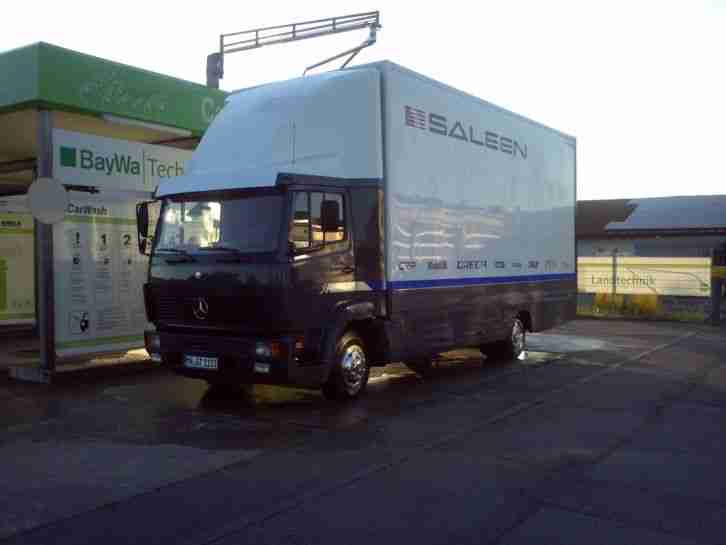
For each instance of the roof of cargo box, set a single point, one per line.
(386, 64)
(259, 133)
(317, 125)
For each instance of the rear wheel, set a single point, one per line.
(349, 375)
(510, 348)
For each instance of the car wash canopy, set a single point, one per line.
(108, 132)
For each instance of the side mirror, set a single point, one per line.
(142, 225)
(330, 216)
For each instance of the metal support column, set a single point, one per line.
(44, 252)
(45, 306)
(716, 294)
(215, 70)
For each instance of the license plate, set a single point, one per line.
(201, 362)
(262, 367)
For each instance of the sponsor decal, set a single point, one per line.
(500, 265)
(438, 265)
(415, 118)
(408, 265)
(516, 265)
(533, 265)
(464, 131)
(471, 265)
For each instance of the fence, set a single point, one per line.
(674, 288)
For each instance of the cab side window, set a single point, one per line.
(300, 222)
(336, 233)
(316, 204)
(306, 225)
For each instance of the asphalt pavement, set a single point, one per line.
(607, 432)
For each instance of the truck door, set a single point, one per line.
(323, 270)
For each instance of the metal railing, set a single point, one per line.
(259, 37)
(279, 34)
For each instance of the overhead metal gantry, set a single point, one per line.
(280, 34)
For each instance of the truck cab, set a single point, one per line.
(250, 285)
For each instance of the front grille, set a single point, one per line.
(221, 310)
(170, 308)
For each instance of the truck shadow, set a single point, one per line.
(390, 388)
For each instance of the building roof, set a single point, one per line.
(91, 95)
(45, 75)
(655, 216)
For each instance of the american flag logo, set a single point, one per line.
(415, 118)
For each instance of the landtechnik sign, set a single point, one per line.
(117, 165)
(687, 276)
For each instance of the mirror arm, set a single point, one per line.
(142, 225)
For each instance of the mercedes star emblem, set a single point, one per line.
(200, 308)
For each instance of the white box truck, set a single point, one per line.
(335, 222)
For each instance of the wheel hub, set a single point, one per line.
(518, 337)
(353, 368)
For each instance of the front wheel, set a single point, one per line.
(349, 375)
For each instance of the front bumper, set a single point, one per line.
(236, 359)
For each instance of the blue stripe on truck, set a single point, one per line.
(478, 281)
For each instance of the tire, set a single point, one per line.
(511, 347)
(349, 375)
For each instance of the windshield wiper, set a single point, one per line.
(220, 249)
(172, 250)
(184, 256)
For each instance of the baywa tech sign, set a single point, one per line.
(118, 163)
(114, 164)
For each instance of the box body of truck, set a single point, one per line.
(370, 203)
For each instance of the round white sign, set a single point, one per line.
(47, 200)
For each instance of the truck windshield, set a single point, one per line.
(247, 224)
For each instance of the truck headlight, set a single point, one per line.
(153, 345)
(268, 350)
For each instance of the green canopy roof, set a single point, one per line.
(57, 78)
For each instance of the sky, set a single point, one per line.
(641, 84)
